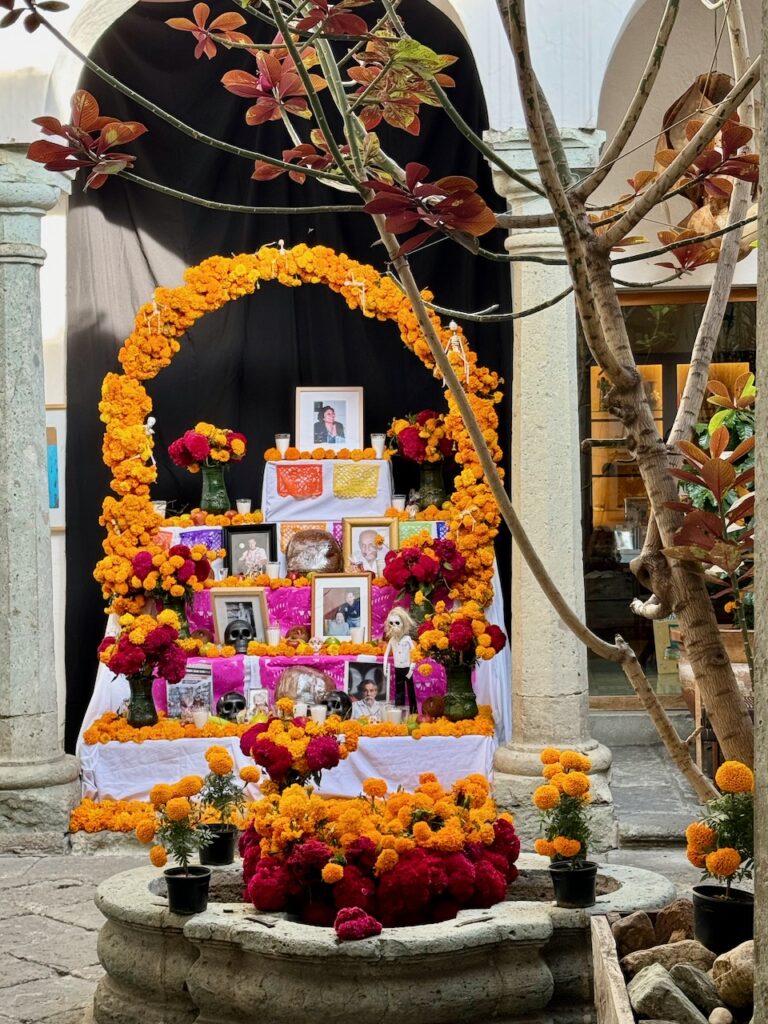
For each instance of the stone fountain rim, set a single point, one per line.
(127, 897)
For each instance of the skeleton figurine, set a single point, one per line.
(238, 633)
(398, 630)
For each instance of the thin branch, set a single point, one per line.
(684, 159)
(685, 241)
(486, 317)
(615, 147)
(212, 204)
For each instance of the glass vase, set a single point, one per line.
(431, 485)
(214, 497)
(460, 700)
(179, 605)
(141, 706)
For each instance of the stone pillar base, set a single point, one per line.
(35, 803)
(518, 773)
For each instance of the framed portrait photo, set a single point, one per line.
(329, 418)
(341, 602)
(437, 529)
(365, 683)
(56, 442)
(239, 604)
(249, 548)
(366, 543)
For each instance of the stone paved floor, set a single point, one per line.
(49, 925)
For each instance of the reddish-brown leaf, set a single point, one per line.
(41, 151)
(227, 22)
(266, 172)
(741, 449)
(85, 110)
(692, 453)
(719, 477)
(118, 133)
(719, 441)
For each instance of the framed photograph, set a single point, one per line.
(407, 528)
(193, 693)
(365, 683)
(366, 543)
(341, 602)
(329, 418)
(257, 701)
(56, 443)
(247, 604)
(249, 548)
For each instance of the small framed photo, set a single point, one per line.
(257, 701)
(245, 604)
(366, 685)
(329, 418)
(437, 529)
(366, 543)
(193, 693)
(341, 602)
(249, 548)
(56, 443)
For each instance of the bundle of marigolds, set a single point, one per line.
(178, 572)
(723, 843)
(293, 750)
(460, 637)
(176, 826)
(400, 859)
(562, 801)
(422, 437)
(207, 445)
(427, 569)
(144, 644)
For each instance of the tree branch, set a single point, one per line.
(644, 203)
(615, 147)
(500, 318)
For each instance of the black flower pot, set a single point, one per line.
(188, 889)
(221, 849)
(574, 884)
(720, 921)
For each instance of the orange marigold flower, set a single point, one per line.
(220, 763)
(427, 777)
(695, 857)
(160, 794)
(250, 773)
(332, 873)
(549, 755)
(544, 848)
(551, 770)
(190, 785)
(700, 837)
(422, 833)
(734, 777)
(572, 760)
(178, 808)
(375, 787)
(546, 797)
(576, 784)
(566, 847)
(145, 831)
(723, 862)
(386, 860)
(158, 856)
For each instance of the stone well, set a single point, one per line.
(520, 962)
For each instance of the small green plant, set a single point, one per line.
(220, 794)
(723, 842)
(562, 800)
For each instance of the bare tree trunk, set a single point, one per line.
(761, 599)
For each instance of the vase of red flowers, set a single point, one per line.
(208, 449)
(425, 572)
(145, 645)
(423, 438)
(458, 640)
(171, 578)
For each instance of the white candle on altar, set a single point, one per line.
(377, 443)
(273, 636)
(273, 570)
(282, 441)
(357, 634)
(398, 502)
(200, 718)
(299, 709)
(243, 505)
(318, 713)
(393, 715)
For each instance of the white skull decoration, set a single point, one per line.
(399, 623)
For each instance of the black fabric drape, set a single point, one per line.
(238, 367)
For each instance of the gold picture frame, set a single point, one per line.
(230, 603)
(362, 552)
(341, 602)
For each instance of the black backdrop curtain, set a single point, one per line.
(238, 367)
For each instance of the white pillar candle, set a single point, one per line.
(273, 636)
(243, 505)
(199, 718)
(318, 713)
(282, 441)
(273, 570)
(398, 502)
(299, 709)
(377, 443)
(393, 715)
(357, 634)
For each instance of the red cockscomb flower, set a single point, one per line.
(352, 923)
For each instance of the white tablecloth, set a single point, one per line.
(127, 771)
(327, 506)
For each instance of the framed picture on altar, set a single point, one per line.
(366, 543)
(341, 603)
(193, 693)
(250, 548)
(329, 418)
(437, 529)
(239, 604)
(365, 683)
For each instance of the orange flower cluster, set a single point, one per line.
(110, 728)
(562, 800)
(110, 815)
(131, 521)
(722, 845)
(199, 518)
(321, 454)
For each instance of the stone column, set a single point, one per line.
(550, 696)
(38, 782)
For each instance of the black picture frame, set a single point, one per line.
(236, 539)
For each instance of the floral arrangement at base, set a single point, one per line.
(723, 842)
(426, 570)
(110, 815)
(399, 859)
(422, 437)
(562, 801)
(176, 827)
(146, 644)
(207, 445)
(321, 454)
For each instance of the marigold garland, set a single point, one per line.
(130, 519)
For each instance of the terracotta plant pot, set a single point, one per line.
(720, 921)
(222, 849)
(574, 884)
(187, 889)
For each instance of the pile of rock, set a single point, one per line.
(673, 979)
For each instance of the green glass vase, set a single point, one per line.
(179, 605)
(214, 497)
(141, 706)
(460, 700)
(431, 485)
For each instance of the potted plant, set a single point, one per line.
(722, 843)
(176, 830)
(221, 797)
(562, 801)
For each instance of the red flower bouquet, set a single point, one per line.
(422, 437)
(207, 445)
(145, 644)
(294, 750)
(461, 637)
(431, 569)
(379, 860)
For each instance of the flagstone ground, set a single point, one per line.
(49, 924)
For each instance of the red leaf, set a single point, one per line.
(741, 449)
(85, 110)
(414, 242)
(719, 477)
(345, 25)
(201, 13)
(415, 173)
(403, 221)
(733, 137)
(692, 453)
(118, 133)
(227, 22)
(455, 183)
(264, 109)
(266, 172)
(49, 125)
(691, 478)
(41, 151)
(241, 83)
(182, 24)
(719, 441)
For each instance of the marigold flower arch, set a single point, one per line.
(131, 521)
